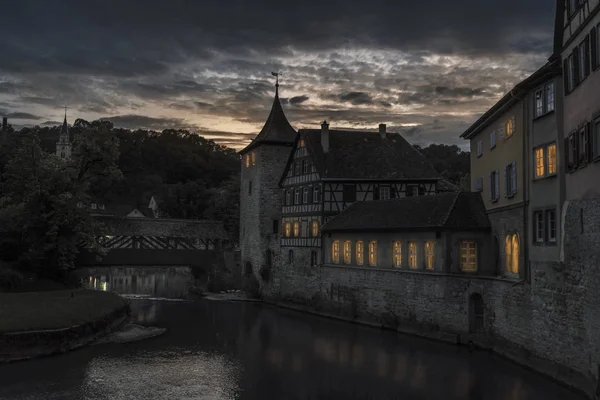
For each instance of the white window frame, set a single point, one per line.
(384, 193)
(305, 195)
(539, 231)
(549, 224)
(316, 194)
(305, 166)
(547, 91)
(538, 103)
(297, 197)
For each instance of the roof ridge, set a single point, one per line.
(447, 217)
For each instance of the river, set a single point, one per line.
(233, 350)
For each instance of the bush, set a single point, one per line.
(10, 279)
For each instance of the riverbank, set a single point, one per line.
(34, 324)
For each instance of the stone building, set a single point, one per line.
(263, 161)
(63, 145)
(446, 233)
(577, 40)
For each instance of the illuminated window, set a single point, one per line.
(397, 254)
(335, 252)
(296, 228)
(247, 157)
(509, 127)
(315, 227)
(253, 158)
(429, 254)
(360, 252)
(412, 255)
(288, 229)
(347, 252)
(468, 256)
(511, 247)
(539, 162)
(373, 253)
(551, 150)
(301, 143)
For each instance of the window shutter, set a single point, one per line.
(506, 181)
(586, 57)
(501, 131)
(576, 64)
(375, 192)
(576, 149)
(492, 185)
(497, 185)
(594, 45)
(566, 75)
(589, 138)
(514, 124)
(567, 154)
(514, 178)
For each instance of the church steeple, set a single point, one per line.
(277, 129)
(63, 146)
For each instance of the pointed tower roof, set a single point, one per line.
(65, 127)
(277, 129)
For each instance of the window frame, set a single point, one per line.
(539, 229)
(305, 195)
(316, 194)
(335, 252)
(253, 157)
(314, 228)
(551, 225)
(479, 148)
(304, 166)
(247, 160)
(387, 190)
(510, 123)
(373, 253)
(546, 99)
(538, 108)
(397, 254)
(492, 139)
(360, 252)
(412, 255)
(582, 144)
(287, 229)
(297, 197)
(296, 228)
(466, 258)
(537, 158)
(429, 252)
(347, 252)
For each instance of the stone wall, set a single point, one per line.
(551, 323)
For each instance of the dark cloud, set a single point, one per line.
(21, 115)
(356, 98)
(51, 123)
(298, 99)
(144, 122)
(458, 91)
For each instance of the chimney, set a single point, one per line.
(325, 136)
(382, 130)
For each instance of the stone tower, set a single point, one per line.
(64, 146)
(263, 162)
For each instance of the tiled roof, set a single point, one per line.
(367, 155)
(277, 129)
(446, 186)
(460, 210)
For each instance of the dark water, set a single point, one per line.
(220, 350)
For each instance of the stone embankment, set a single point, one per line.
(36, 324)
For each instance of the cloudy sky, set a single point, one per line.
(426, 68)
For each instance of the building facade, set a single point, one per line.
(578, 42)
(498, 170)
(329, 170)
(446, 233)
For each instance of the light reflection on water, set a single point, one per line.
(248, 351)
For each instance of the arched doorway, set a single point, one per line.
(248, 269)
(476, 316)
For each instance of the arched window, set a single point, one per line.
(335, 252)
(360, 252)
(313, 258)
(315, 227)
(508, 253)
(512, 248)
(515, 254)
(397, 254)
(373, 253)
(348, 252)
(291, 257)
(412, 255)
(296, 228)
(429, 254)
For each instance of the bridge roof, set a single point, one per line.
(203, 229)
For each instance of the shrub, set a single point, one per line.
(10, 279)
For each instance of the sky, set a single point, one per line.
(428, 68)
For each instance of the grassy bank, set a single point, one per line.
(30, 311)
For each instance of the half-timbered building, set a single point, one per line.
(329, 170)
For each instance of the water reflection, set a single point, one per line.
(216, 350)
(164, 282)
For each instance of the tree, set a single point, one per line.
(42, 195)
(448, 160)
(225, 206)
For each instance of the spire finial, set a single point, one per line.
(276, 75)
